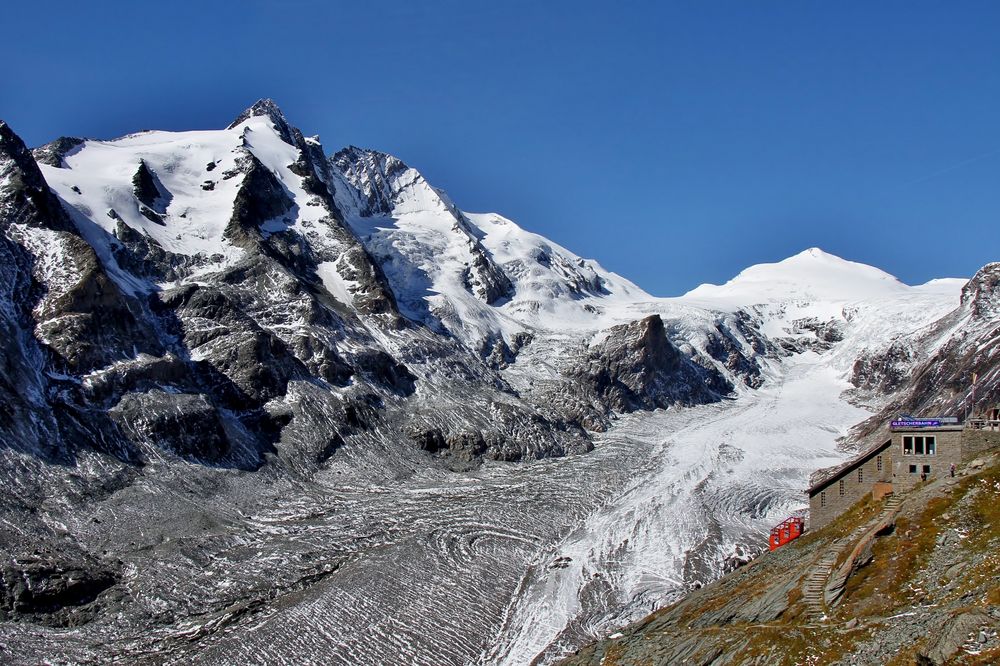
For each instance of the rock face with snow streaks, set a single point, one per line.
(933, 370)
(636, 367)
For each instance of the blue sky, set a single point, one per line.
(675, 142)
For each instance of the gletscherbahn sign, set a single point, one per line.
(916, 423)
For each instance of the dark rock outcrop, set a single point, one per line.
(883, 372)
(186, 424)
(725, 348)
(25, 197)
(144, 185)
(260, 199)
(637, 367)
(257, 362)
(47, 589)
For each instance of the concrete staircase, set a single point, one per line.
(891, 504)
(819, 573)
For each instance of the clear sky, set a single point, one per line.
(675, 142)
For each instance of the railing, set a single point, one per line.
(984, 424)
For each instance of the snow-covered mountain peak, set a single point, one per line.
(178, 192)
(388, 186)
(266, 108)
(811, 275)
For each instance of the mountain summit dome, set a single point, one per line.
(810, 275)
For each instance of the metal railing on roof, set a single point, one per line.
(983, 424)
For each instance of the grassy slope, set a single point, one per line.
(931, 581)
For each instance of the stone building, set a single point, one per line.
(924, 452)
(837, 489)
(917, 450)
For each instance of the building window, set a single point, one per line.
(907, 446)
(861, 475)
(913, 469)
(927, 469)
(931, 446)
(878, 463)
(840, 487)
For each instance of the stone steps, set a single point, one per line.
(819, 573)
(812, 594)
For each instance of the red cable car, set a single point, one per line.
(790, 529)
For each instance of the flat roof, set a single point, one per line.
(940, 428)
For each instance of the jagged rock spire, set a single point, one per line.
(24, 195)
(144, 184)
(981, 293)
(269, 108)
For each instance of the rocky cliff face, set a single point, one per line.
(931, 372)
(980, 294)
(635, 366)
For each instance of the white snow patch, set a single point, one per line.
(338, 287)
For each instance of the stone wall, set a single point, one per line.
(834, 499)
(977, 442)
(907, 468)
